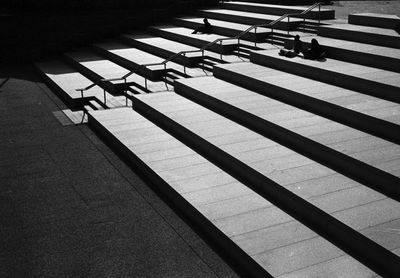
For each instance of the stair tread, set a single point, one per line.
(389, 21)
(276, 241)
(286, 7)
(390, 16)
(339, 137)
(220, 23)
(355, 46)
(187, 33)
(363, 29)
(341, 67)
(361, 103)
(163, 43)
(95, 104)
(131, 131)
(141, 57)
(107, 69)
(138, 56)
(266, 17)
(287, 169)
(68, 79)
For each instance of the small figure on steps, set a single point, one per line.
(205, 29)
(314, 52)
(297, 48)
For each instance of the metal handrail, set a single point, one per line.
(86, 88)
(241, 34)
(208, 45)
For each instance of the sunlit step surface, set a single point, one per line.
(377, 82)
(184, 35)
(363, 34)
(226, 202)
(253, 76)
(249, 18)
(367, 148)
(98, 68)
(317, 13)
(164, 48)
(382, 57)
(66, 80)
(225, 28)
(259, 153)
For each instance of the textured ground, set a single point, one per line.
(344, 8)
(70, 208)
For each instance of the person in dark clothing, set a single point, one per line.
(205, 29)
(314, 52)
(297, 45)
(297, 48)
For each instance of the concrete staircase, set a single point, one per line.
(364, 34)
(289, 167)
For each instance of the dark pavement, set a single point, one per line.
(71, 208)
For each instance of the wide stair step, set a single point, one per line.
(259, 163)
(132, 58)
(368, 80)
(369, 114)
(225, 28)
(65, 80)
(375, 20)
(289, 166)
(99, 69)
(358, 53)
(164, 48)
(323, 14)
(250, 18)
(95, 105)
(307, 28)
(184, 35)
(305, 135)
(135, 60)
(363, 34)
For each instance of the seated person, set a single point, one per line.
(297, 48)
(206, 29)
(314, 52)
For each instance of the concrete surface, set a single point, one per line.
(71, 208)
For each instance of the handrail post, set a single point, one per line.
(145, 82)
(105, 99)
(272, 35)
(81, 94)
(202, 58)
(220, 49)
(126, 92)
(319, 13)
(165, 76)
(238, 47)
(288, 24)
(255, 36)
(184, 65)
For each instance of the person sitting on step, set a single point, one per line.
(205, 29)
(297, 48)
(314, 52)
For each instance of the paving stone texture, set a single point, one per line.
(70, 208)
